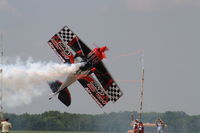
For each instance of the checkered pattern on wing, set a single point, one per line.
(114, 92)
(66, 34)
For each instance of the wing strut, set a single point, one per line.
(80, 46)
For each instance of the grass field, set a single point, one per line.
(51, 132)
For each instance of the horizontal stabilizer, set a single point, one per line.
(54, 85)
(65, 97)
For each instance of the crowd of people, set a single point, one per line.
(138, 126)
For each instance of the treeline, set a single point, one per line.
(178, 122)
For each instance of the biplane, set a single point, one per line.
(92, 74)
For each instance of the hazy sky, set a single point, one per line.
(168, 32)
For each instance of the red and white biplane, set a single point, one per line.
(92, 74)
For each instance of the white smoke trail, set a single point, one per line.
(25, 80)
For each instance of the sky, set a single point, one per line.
(165, 33)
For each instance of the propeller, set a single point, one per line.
(103, 49)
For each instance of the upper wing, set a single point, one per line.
(108, 83)
(95, 90)
(61, 49)
(64, 41)
(73, 41)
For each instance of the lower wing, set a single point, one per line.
(108, 83)
(95, 90)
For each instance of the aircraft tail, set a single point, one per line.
(64, 95)
(54, 85)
